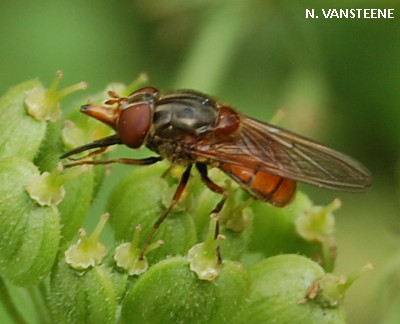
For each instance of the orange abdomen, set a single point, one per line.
(267, 187)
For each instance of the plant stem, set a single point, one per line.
(327, 256)
(9, 304)
(39, 304)
(213, 49)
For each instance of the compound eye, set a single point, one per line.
(134, 124)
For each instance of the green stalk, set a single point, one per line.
(213, 49)
(39, 305)
(9, 304)
(327, 256)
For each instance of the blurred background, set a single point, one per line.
(337, 81)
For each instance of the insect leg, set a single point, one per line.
(146, 161)
(202, 168)
(212, 186)
(91, 154)
(178, 193)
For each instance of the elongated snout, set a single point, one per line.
(106, 115)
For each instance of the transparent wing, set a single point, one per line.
(261, 146)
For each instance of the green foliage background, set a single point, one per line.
(337, 80)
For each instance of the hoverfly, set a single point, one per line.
(190, 128)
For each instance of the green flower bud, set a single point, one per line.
(46, 188)
(43, 104)
(20, 133)
(25, 109)
(82, 297)
(170, 293)
(203, 256)
(128, 255)
(279, 285)
(30, 232)
(329, 290)
(87, 252)
(317, 224)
